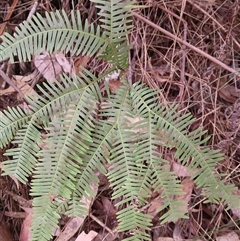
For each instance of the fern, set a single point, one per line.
(63, 161)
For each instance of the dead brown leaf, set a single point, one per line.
(52, 65)
(164, 239)
(114, 85)
(228, 92)
(63, 62)
(86, 237)
(27, 78)
(79, 62)
(232, 236)
(25, 89)
(187, 187)
(181, 171)
(155, 206)
(74, 224)
(108, 207)
(25, 233)
(70, 229)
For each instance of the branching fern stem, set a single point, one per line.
(187, 144)
(72, 144)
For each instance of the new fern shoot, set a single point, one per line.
(76, 142)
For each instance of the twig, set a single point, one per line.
(184, 50)
(33, 10)
(8, 16)
(207, 14)
(172, 36)
(102, 224)
(10, 82)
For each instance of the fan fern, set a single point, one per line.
(61, 143)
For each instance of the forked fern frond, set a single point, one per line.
(71, 132)
(189, 145)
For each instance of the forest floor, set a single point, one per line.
(189, 50)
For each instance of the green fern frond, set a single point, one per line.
(55, 33)
(155, 171)
(125, 175)
(131, 219)
(45, 218)
(117, 55)
(43, 110)
(24, 155)
(116, 22)
(163, 179)
(173, 129)
(115, 18)
(55, 98)
(92, 161)
(11, 120)
(68, 140)
(78, 142)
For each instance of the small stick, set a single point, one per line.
(102, 224)
(10, 82)
(33, 10)
(9, 14)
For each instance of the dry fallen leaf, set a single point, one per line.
(47, 66)
(79, 62)
(103, 235)
(70, 229)
(63, 62)
(164, 239)
(187, 187)
(180, 170)
(24, 87)
(227, 92)
(232, 236)
(86, 237)
(114, 85)
(51, 65)
(27, 78)
(155, 206)
(108, 207)
(171, 239)
(25, 234)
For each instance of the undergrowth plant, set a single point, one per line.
(71, 131)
